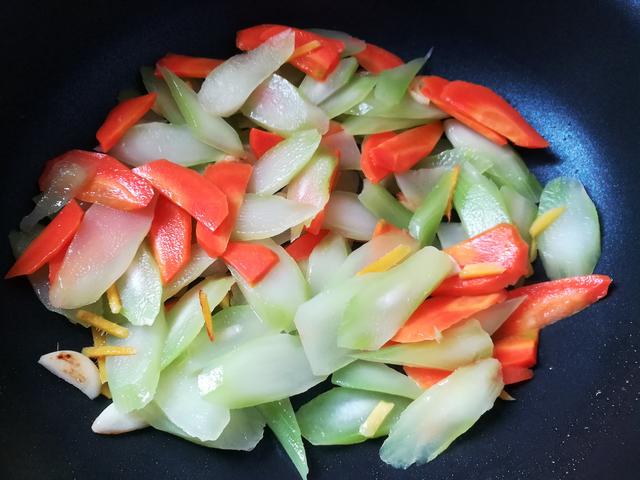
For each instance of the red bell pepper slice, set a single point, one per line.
(517, 350)
(513, 374)
(401, 152)
(383, 227)
(124, 116)
(432, 88)
(372, 171)
(232, 179)
(252, 260)
(170, 238)
(187, 67)
(54, 238)
(375, 59)
(111, 183)
(301, 247)
(317, 63)
(548, 302)
(502, 245)
(261, 141)
(426, 377)
(491, 110)
(201, 198)
(435, 315)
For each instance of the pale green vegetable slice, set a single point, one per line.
(406, 107)
(185, 319)
(393, 83)
(335, 417)
(324, 260)
(277, 167)
(347, 148)
(260, 371)
(478, 202)
(277, 296)
(382, 204)
(147, 142)
(349, 95)
(197, 264)
(140, 289)
(416, 184)
(282, 421)
(508, 168)
(133, 379)
(229, 85)
(570, 246)
(208, 128)
(459, 346)
(243, 432)
(493, 317)
(265, 216)
(278, 106)
(345, 215)
(376, 377)
(521, 210)
(450, 157)
(451, 233)
(316, 91)
(368, 125)
(352, 45)
(442, 413)
(376, 313)
(165, 105)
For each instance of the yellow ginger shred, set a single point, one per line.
(102, 323)
(388, 260)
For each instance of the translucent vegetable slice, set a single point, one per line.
(198, 263)
(376, 377)
(393, 83)
(265, 216)
(348, 96)
(459, 346)
(493, 317)
(282, 421)
(442, 413)
(208, 128)
(140, 289)
(334, 417)
(345, 215)
(229, 85)
(368, 125)
(316, 91)
(280, 164)
(416, 184)
(324, 260)
(508, 168)
(375, 314)
(352, 45)
(347, 148)
(277, 296)
(406, 107)
(147, 142)
(451, 233)
(133, 379)
(521, 210)
(278, 106)
(570, 246)
(260, 371)
(478, 202)
(450, 157)
(384, 205)
(99, 254)
(165, 105)
(185, 319)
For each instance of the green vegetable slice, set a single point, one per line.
(376, 377)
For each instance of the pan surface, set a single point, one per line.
(572, 68)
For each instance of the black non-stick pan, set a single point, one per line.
(571, 67)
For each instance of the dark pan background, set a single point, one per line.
(571, 67)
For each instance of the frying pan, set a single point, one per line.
(572, 68)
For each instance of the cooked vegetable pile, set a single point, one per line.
(309, 208)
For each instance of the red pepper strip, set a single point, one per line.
(54, 265)
(548, 302)
(202, 199)
(170, 238)
(111, 182)
(426, 377)
(494, 112)
(432, 88)
(517, 350)
(232, 178)
(262, 141)
(187, 67)
(435, 315)
(252, 260)
(53, 239)
(373, 172)
(318, 63)
(301, 247)
(513, 374)
(375, 59)
(124, 116)
(403, 151)
(502, 245)
(383, 227)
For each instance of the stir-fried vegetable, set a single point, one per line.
(376, 377)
